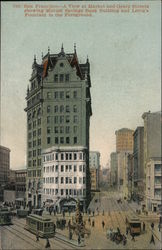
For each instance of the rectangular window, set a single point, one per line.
(75, 140)
(67, 94)
(67, 129)
(67, 140)
(62, 156)
(61, 119)
(48, 130)
(56, 130)
(75, 192)
(56, 191)
(61, 109)
(75, 156)
(70, 180)
(80, 180)
(62, 180)
(75, 94)
(39, 121)
(62, 192)
(61, 130)
(67, 108)
(74, 108)
(39, 142)
(48, 140)
(56, 140)
(56, 95)
(61, 140)
(66, 180)
(48, 95)
(48, 119)
(66, 168)
(75, 119)
(84, 168)
(39, 131)
(56, 168)
(67, 118)
(61, 77)
(56, 78)
(84, 180)
(70, 168)
(67, 78)
(80, 168)
(39, 151)
(67, 192)
(75, 168)
(56, 180)
(62, 168)
(80, 156)
(56, 109)
(55, 119)
(61, 95)
(56, 156)
(75, 180)
(67, 156)
(48, 109)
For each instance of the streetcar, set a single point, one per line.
(134, 224)
(22, 213)
(39, 225)
(5, 216)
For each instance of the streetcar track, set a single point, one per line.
(51, 239)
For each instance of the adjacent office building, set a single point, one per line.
(4, 168)
(138, 163)
(58, 119)
(113, 169)
(152, 159)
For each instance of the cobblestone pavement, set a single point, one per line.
(16, 237)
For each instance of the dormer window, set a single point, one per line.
(67, 78)
(56, 78)
(61, 78)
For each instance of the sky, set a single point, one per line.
(124, 52)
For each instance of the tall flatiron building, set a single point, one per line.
(58, 120)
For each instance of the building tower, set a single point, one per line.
(58, 119)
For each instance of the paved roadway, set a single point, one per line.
(16, 237)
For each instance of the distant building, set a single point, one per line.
(154, 184)
(15, 190)
(138, 163)
(124, 140)
(94, 164)
(152, 151)
(123, 172)
(113, 169)
(4, 168)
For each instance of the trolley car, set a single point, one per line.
(40, 226)
(5, 217)
(22, 213)
(134, 224)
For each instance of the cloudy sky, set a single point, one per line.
(124, 53)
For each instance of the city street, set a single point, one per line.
(110, 211)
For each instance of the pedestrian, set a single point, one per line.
(152, 226)
(152, 239)
(47, 243)
(93, 213)
(118, 230)
(133, 239)
(37, 236)
(103, 224)
(69, 223)
(54, 212)
(79, 239)
(127, 230)
(93, 223)
(143, 227)
(159, 226)
(70, 234)
(89, 221)
(54, 228)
